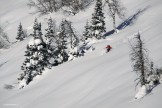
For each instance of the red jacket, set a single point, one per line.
(108, 47)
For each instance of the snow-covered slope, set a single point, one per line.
(12, 12)
(97, 80)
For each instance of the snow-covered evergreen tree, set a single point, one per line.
(36, 25)
(36, 56)
(28, 67)
(37, 30)
(62, 43)
(40, 53)
(98, 23)
(87, 31)
(51, 42)
(20, 33)
(36, 60)
(50, 31)
(72, 37)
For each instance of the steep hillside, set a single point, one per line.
(97, 80)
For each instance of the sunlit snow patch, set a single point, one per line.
(141, 92)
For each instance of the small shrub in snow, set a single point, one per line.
(154, 75)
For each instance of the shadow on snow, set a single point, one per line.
(128, 22)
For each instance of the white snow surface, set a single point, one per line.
(91, 81)
(37, 41)
(141, 92)
(31, 42)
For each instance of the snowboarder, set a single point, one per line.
(108, 48)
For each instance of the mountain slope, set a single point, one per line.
(97, 80)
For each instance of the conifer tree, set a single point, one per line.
(98, 23)
(37, 32)
(50, 31)
(69, 30)
(51, 42)
(35, 62)
(20, 33)
(41, 49)
(27, 66)
(36, 25)
(86, 33)
(36, 56)
(62, 43)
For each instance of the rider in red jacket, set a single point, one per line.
(108, 48)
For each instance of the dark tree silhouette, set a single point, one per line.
(140, 59)
(87, 31)
(98, 23)
(20, 33)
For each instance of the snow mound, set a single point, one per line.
(31, 42)
(22, 84)
(37, 41)
(141, 92)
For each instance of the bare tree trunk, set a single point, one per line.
(115, 9)
(142, 61)
(114, 24)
